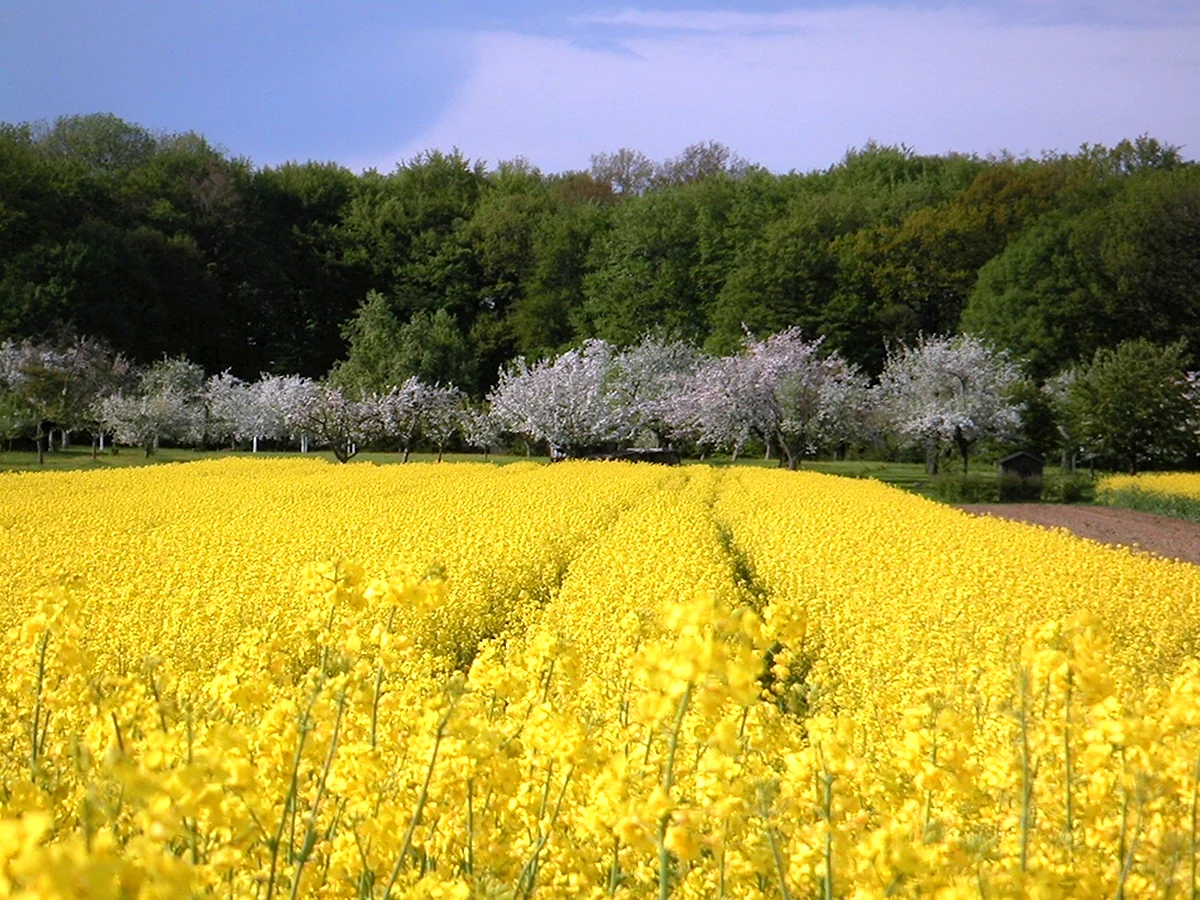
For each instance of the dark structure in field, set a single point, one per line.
(1020, 477)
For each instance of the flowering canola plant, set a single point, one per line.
(263, 678)
(1180, 484)
(1169, 493)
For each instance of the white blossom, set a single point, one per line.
(566, 402)
(780, 390)
(645, 381)
(948, 389)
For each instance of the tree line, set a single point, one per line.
(786, 394)
(445, 269)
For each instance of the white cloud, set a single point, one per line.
(795, 90)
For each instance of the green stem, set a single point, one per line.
(470, 826)
(827, 807)
(1026, 773)
(614, 871)
(780, 868)
(34, 743)
(378, 684)
(1127, 862)
(310, 833)
(422, 799)
(1122, 853)
(664, 856)
(532, 865)
(290, 799)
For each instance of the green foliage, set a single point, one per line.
(958, 488)
(1174, 505)
(1121, 262)
(384, 352)
(163, 244)
(1039, 432)
(1068, 488)
(1132, 404)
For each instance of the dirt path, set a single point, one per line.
(1165, 536)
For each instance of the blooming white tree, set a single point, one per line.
(225, 397)
(948, 389)
(27, 390)
(824, 404)
(326, 414)
(290, 396)
(49, 387)
(566, 402)
(443, 415)
(167, 404)
(645, 381)
(416, 409)
(398, 412)
(480, 428)
(718, 407)
(253, 411)
(781, 390)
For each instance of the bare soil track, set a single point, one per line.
(1164, 536)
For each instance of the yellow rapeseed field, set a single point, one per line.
(1177, 484)
(270, 678)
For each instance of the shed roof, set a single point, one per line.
(1021, 456)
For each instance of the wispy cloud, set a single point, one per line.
(796, 89)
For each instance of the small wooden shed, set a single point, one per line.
(1021, 477)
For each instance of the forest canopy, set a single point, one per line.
(162, 244)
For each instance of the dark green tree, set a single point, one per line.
(1126, 265)
(1131, 405)
(384, 352)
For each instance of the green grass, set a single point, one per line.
(1172, 505)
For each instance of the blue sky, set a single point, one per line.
(787, 85)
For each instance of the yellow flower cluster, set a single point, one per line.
(583, 680)
(1183, 484)
(1167, 484)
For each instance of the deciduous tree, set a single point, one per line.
(1135, 404)
(953, 389)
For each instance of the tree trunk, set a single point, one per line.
(964, 447)
(95, 447)
(789, 454)
(254, 444)
(406, 450)
(931, 459)
(41, 451)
